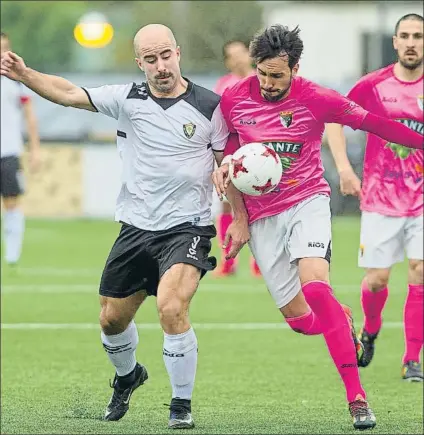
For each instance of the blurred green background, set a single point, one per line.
(42, 31)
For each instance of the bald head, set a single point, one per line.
(152, 36)
(158, 56)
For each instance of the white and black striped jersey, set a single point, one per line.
(166, 146)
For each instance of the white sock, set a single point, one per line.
(120, 349)
(14, 227)
(180, 357)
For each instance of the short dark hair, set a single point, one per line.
(229, 43)
(408, 17)
(277, 40)
(4, 35)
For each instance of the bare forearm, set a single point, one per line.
(337, 144)
(235, 198)
(56, 89)
(219, 156)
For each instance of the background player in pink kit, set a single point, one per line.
(238, 62)
(290, 228)
(392, 192)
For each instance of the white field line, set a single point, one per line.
(223, 286)
(156, 326)
(57, 271)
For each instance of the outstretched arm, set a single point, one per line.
(331, 107)
(392, 131)
(52, 88)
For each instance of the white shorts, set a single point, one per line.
(384, 239)
(277, 242)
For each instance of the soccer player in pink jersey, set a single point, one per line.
(392, 192)
(238, 62)
(290, 228)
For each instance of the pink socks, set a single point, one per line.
(308, 324)
(337, 334)
(413, 322)
(372, 306)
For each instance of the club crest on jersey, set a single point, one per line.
(420, 101)
(189, 130)
(286, 119)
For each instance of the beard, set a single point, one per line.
(277, 96)
(411, 65)
(164, 86)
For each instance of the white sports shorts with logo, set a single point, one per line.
(384, 240)
(278, 242)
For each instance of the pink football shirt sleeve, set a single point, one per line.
(219, 87)
(360, 93)
(226, 105)
(329, 106)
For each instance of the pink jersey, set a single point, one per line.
(294, 128)
(393, 174)
(226, 82)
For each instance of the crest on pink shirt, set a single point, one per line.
(286, 118)
(420, 101)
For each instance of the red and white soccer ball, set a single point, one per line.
(255, 169)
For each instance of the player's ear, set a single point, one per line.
(138, 62)
(178, 51)
(394, 42)
(295, 70)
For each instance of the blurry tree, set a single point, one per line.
(42, 31)
(201, 28)
(128, 17)
(209, 24)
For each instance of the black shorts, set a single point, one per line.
(139, 258)
(11, 177)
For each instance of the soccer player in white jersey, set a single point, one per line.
(169, 131)
(15, 102)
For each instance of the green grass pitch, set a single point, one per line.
(255, 376)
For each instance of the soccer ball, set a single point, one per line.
(255, 169)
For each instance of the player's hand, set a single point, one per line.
(350, 184)
(238, 234)
(12, 66)
(221, 180)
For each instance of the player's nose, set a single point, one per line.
(410, 42)
(161, 65)
(268, 83)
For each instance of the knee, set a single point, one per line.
(112, 321)
(172, 312)
(377, 279)
(313, 269)
(416, 272)
(295, 329)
